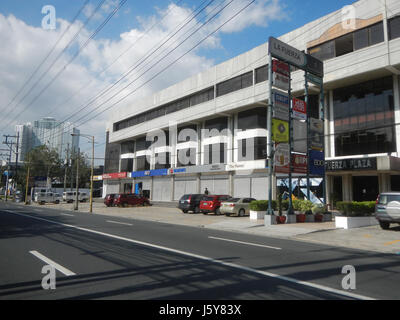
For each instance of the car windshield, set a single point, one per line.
(386, 198)
(185, 197)
(205, 198)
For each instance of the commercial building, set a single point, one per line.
(50, 132)
(214, 123)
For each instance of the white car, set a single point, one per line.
(47, 197)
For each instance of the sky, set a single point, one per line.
(82, 68)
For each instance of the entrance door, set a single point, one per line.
(365, 188)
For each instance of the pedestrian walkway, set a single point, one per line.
(371, 238)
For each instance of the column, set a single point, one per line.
(331, 131)
(347, 184)
(384, 182)
(396, 98)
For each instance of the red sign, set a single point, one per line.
(280, 67)
(117, 175)
(299, 109)
(299, 163)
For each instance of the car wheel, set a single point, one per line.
(384, 225)
(184, 211)
(228, 214)
(196, 210)
(205, 213)
(217, 212)
(241, 212)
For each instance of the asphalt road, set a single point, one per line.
(103, 257)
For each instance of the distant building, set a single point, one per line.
(47, 131)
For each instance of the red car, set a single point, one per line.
(212, 203)
(124, 200)
(109, 200)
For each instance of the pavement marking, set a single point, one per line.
(248, 243)
(221, 262)
(60, 268)
(67, 214)
(367, 236)
(117, 222)
(391, 242)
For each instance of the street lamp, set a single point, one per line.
(91, 173)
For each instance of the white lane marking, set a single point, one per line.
(247, 243)
(60, 268)
(67, 214)
(224, 263)
(117, 222)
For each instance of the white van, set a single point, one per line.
(70, 196)
(49, 197)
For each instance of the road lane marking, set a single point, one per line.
(60, 268)
(67, 214)
(220, 262)
(117, 222)
(247, 243)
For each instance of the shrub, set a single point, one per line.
(262, 205)
(319, 209)
(306, 205)
(356, 209)
(297, 204)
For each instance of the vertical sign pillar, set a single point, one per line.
(308, 134)
(269, 139)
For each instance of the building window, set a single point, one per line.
(364, 118)
(186, 157)
(348, 43)
(253, 119)
(262, 74)
(127, 147)
(394, 28)
(111, 161)
(215, 153)
(252, 149)
(234, 84)
(142, 164)
(126, 165)
(162, 160)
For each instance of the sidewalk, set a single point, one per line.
(368, 238)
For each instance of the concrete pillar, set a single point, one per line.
(231, 184)
(274, 187)
(331, 132)
(172, 187)
(384, 182)
(198, 180)
(396, 96)
(151, 187)
(347, 184)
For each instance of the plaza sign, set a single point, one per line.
(281, 50)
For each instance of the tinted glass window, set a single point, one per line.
(385, 199)
(376, 34)
(361, 39)
(344, 45)
(324, 51)
(394, 28)
(262, 74)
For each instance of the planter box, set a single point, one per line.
(257, 215)
(269, 220)
(309, 218)
(290, 218)
(354, 222)
(327, 217)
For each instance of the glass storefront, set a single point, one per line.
(365, 188)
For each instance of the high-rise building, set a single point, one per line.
(47, 131)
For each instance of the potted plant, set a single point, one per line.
(318, 211)
(281, 219)
(305, 207)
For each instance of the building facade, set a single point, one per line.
(210, 130)
(50, 132)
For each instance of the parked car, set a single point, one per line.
(70, 196)
(124, 200)
(387, 209)
(236, 206)
(19, 197)
(212, 203)
(47, 197)
(190, 202)
(109, 200)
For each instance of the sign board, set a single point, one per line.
(317, 163)
(117, 175)
(280, 81)
(280, 131)
(198, 169)
(314, 79)
(97, 178)
(299, 109)
(281, 105)
(351, 164)
(299, 136)
(282, 158)
(281, 68)
(299, 163)
(283, 51)
(314, 65)
(316, 134)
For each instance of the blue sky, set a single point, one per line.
(25, 43)
(298, 14)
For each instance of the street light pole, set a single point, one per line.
(77, 181)
(91, 178)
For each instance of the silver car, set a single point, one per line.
(387, 209)
(236, 206)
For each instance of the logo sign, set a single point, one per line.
(351, 164)
(299, 162)
(315, 66)
(317, 134)
(281, 50)
(281, 158)
(280, 81)
(281, 105)
(280, 131)
(317, 163)
(299, 109)
(97, 178)
(281, 68)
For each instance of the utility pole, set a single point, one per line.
(10, 146)
(77, 181)
(66, 168)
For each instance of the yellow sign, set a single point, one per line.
(280, 130)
